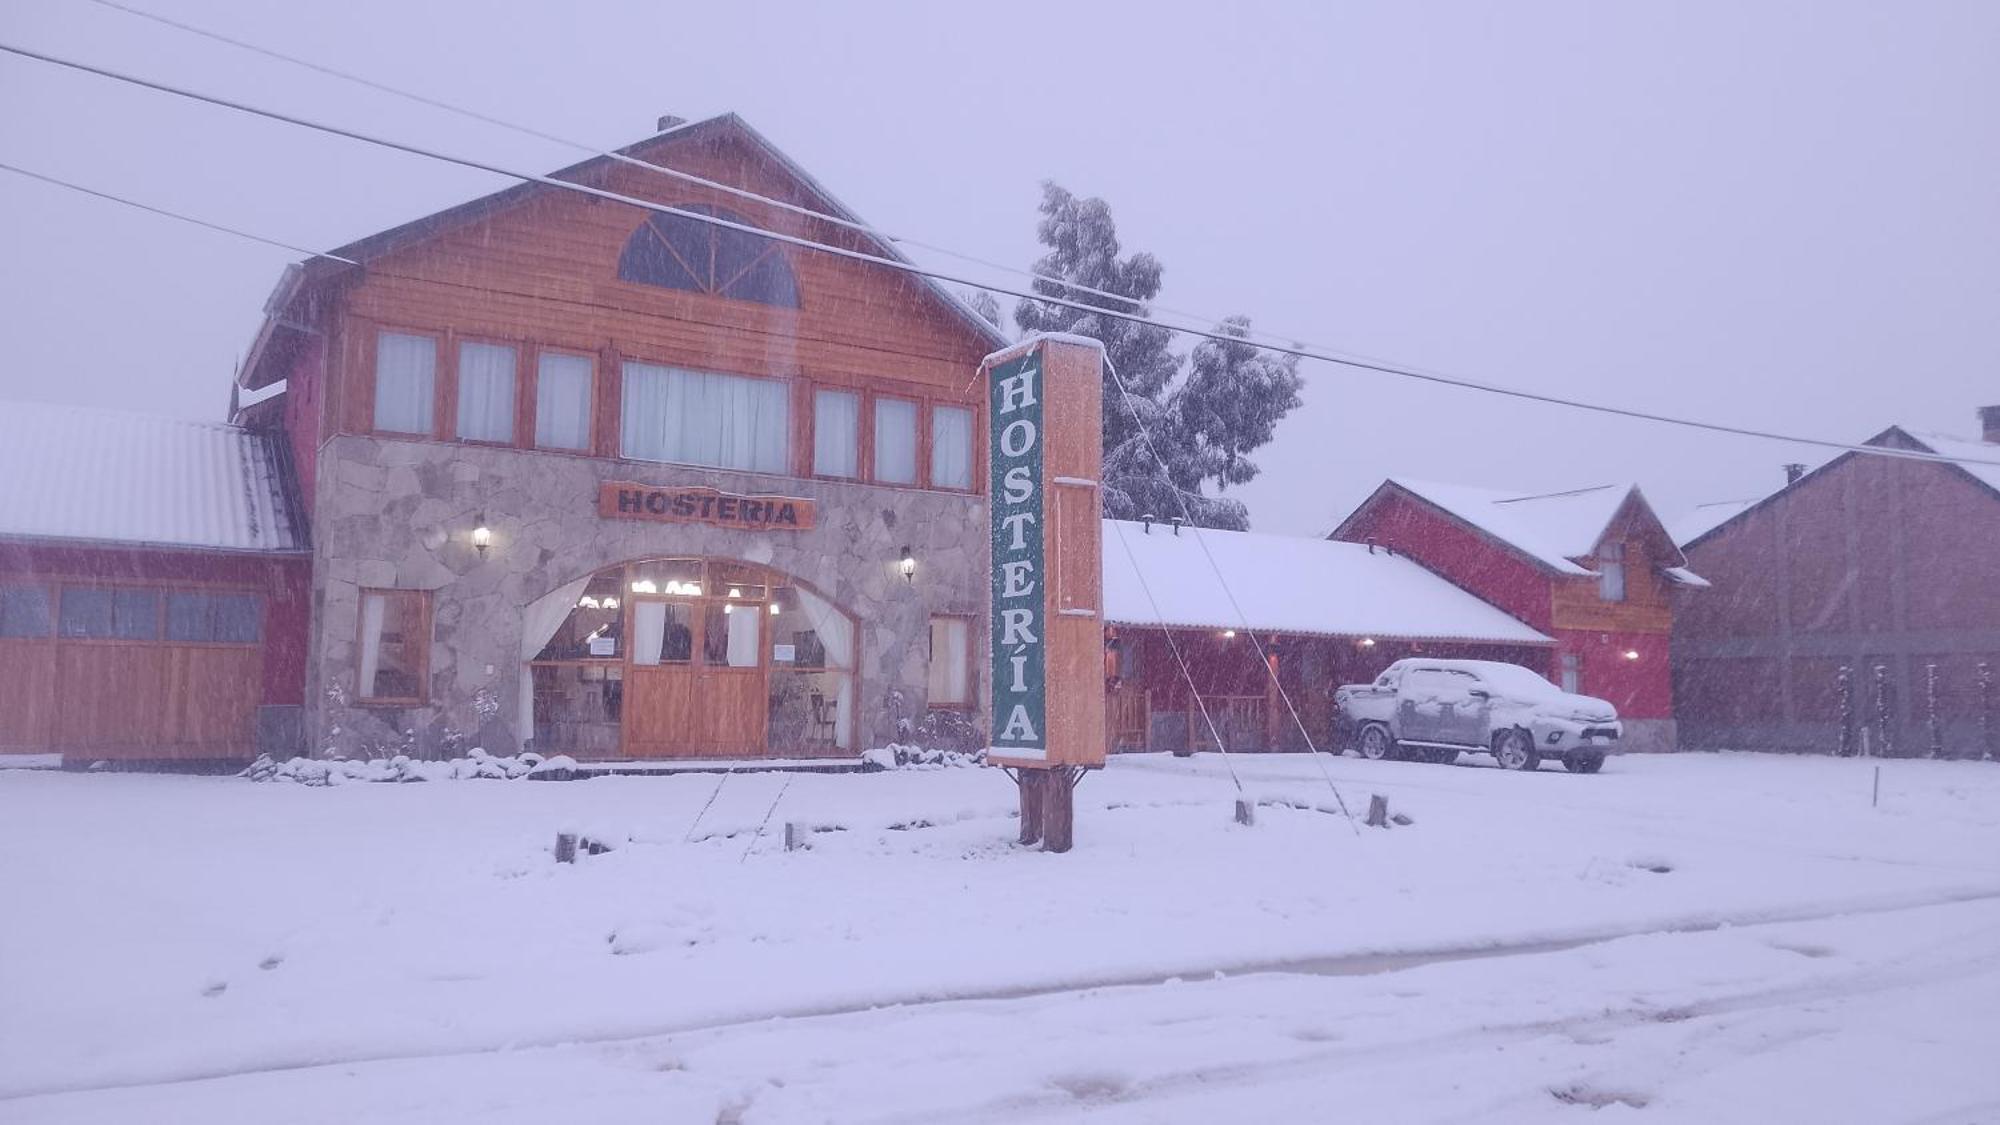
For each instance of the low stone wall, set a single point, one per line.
(398, 514)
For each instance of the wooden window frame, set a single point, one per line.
(447, 423)
(529, 420)
(616, 439)
(162, 587)
(971, 700)
(921, 469)
(972, 452)
(423, 655)
(810, 437)
(442, 405)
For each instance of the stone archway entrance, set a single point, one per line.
(691, 658)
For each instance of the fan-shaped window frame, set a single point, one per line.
(676, 251)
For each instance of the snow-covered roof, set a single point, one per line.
(1554, 527)
(1288, 584)
(89, 474)
(1966, 450)
(1707, 517)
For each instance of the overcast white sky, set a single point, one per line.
(1782, 215)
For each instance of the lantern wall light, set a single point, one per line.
(908, 565)
(482, 535)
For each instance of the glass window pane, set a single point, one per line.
(895, 441)
(189, 617)
(702, 418)
(729, 638)
(405, 382)
(661, 632)
(394, 638)
(485, 392)
(951, 661)
(25, 611)
(86, 613)
(951, 447)
(562, 401)
(836, 434)
(238, 618)
(135, 614)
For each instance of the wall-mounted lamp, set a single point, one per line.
(1228, 633)
(908, 565)
(774, 609)
(1368, 642)
(482, 535)
(1631, 654)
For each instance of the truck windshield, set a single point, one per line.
(1516, 681)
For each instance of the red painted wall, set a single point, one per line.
(286, 583)
(1467, 558)
(1639, 689)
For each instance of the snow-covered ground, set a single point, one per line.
(195, 948)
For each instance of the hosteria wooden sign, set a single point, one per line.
(1044, 442)
(698, 504)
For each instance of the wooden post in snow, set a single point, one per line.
(1378, 811)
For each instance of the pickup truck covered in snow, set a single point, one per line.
(1431, 710)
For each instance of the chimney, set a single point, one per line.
(1793, 471)
(1989, 423)
(669, 121)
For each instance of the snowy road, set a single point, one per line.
(205, 947)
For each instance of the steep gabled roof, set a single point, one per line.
(300, 277)
(86, 474)
(1288, 584)
(1708, 519)
(1552, 529)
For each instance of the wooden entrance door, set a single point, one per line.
(696, 681)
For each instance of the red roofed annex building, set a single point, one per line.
(1591, 568)
(1866, 563)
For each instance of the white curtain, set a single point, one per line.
(836, 434)
(372, 606)
(895, 441)
(951, 662)
(405, 377)
(951, 447)
(485, 392)
(701, 418)
(539, 622)
(742, 648)
(562, 401)
(836, 637)
(649, 631)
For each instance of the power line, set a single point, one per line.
(175, 215)
(919, 271)
(494, 290)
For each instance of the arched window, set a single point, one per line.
(678, 252)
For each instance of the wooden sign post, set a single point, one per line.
(1045, 443)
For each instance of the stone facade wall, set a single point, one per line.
(395, 513)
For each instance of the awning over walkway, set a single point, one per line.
(1287, 584)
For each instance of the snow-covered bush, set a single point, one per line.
(897, 756)
(477, 763)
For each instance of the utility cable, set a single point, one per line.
(937, 275)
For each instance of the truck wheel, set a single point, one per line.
(1376, 743)
(1583, 763)
(1514, 750)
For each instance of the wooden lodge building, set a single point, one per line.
(1883, 566)
(560, 471)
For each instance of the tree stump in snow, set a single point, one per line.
(1378, 811)
(565, 847)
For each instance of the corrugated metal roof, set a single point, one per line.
(1288, 584)
(88, 474)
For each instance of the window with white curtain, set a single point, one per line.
(562, 401)
(485, 392)
(951, 662)
(405, 382)
(895, 441)
(951, 447)
(1611, 572)
(701, 418)
(836, 434)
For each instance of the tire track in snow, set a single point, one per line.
(1351, 964)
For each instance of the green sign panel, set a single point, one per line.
(1020, 653)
